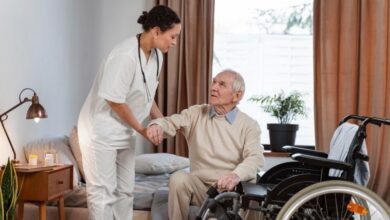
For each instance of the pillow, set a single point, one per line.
(159, 163)
(61, 146)
(75, 147)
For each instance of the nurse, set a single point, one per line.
(121, 97)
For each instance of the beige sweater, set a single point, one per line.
(217, 147)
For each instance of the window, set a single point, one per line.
(271, 44)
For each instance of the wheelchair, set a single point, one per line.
(315, 185)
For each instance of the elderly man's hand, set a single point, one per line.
(155, 134)
(228, 181)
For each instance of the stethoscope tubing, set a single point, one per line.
(148, 95)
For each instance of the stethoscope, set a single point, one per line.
(148, 95)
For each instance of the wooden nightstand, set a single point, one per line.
(42, 186)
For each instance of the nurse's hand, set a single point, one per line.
(155, 134)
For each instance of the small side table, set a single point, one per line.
(43, 186)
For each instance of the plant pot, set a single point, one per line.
(281, 135)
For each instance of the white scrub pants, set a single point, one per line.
(110, 182)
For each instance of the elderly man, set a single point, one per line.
(224, 144)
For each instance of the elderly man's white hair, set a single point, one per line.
(238, 84)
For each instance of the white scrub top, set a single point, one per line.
(118, 80)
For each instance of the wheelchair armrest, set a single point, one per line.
(323, 162)
(294, 150)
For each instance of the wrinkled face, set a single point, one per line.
(221, 91)
(165, 40)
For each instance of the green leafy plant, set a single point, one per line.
(284, 107)
(9, 192)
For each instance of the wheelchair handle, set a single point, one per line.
(357, 117)
(367, 120)
(377, 121)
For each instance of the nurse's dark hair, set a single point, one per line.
(159, 16)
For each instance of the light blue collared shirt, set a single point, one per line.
(230, 116)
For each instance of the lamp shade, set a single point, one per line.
(36, 110)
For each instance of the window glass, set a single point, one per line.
(271, 44)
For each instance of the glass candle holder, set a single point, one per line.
(50, 158)
(33, 159)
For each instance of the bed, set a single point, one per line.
(150, 191)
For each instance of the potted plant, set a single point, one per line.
(285, 108)
(9, 191)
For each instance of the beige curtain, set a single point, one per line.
(352, 75)
(186, 74)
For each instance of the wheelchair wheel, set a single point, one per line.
(335, 200)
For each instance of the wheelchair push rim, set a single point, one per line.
(301, 204)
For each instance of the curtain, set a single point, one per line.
(186, 73)
(352, 75)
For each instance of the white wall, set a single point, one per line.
(55, 47)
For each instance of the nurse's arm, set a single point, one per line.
(125, 113)
(155, 111)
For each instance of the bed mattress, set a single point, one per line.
(144, 191)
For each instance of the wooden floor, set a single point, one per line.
(31, 212)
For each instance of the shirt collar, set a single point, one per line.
(230, 116)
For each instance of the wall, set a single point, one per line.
(55, 47)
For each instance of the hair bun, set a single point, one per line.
(143, 17)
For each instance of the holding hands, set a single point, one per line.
(155, 134)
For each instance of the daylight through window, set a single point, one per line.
(271, 44)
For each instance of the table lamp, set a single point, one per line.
(35, 111)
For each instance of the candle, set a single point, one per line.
(32, 159)
(49, 159)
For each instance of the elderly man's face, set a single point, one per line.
(221, 91)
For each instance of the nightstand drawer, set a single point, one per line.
(59, 182)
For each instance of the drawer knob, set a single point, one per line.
(60, 182)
